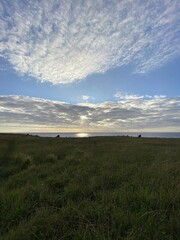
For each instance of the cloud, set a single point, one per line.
(127, 97)
(23, 114)
(130, 97)
(65, 41)
(86, 98)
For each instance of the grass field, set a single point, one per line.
(89, 188)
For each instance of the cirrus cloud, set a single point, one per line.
(65, 41)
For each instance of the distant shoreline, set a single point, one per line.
(102, 134)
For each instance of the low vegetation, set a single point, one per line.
(98, 188)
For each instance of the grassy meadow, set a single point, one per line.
(98, 188)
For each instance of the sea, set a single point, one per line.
(97, 134)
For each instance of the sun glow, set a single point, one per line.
(83, 117)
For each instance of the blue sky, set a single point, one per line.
(120, 59)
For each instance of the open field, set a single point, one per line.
(89, 188)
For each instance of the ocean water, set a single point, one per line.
(95, 134)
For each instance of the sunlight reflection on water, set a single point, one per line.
(81, 135)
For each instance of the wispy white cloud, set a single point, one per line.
(159, 96)
(64, 41)
(127, 97)
(131, 97)
(86, 98)
(19, 113)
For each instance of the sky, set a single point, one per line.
(89, 66)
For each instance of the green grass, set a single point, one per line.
(93, 188)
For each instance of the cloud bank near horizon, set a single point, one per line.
(20, 113)
(65, 41)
